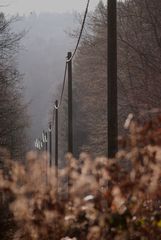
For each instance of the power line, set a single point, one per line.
(74, 52)
(81, 31)
(68, 60)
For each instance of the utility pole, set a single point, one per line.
(112, 79)
(70, 105)
(46, 159)
(50, 144)
(46, 142)
(56, 145)
(56, 134)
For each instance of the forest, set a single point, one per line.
(139, 52)
(13, 109)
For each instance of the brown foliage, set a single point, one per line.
(102, 199)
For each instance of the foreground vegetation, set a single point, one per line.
(102, 199)
(13, 109)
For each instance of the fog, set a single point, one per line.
(41, 60)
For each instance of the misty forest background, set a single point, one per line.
(32, 56)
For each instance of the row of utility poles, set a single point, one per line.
(112, 117)
(47, 137)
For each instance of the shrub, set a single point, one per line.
(92, 199)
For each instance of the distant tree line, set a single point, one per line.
(13, 110)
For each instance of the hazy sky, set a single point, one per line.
(27, 6)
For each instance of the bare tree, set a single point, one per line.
(13, 117)
(139, 70)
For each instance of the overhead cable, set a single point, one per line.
(81, 31)
(74, 52)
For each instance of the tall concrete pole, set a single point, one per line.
(70, 105)
(112, 79)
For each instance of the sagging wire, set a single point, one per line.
(81, 31)
(38, 142)
(73, 54)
